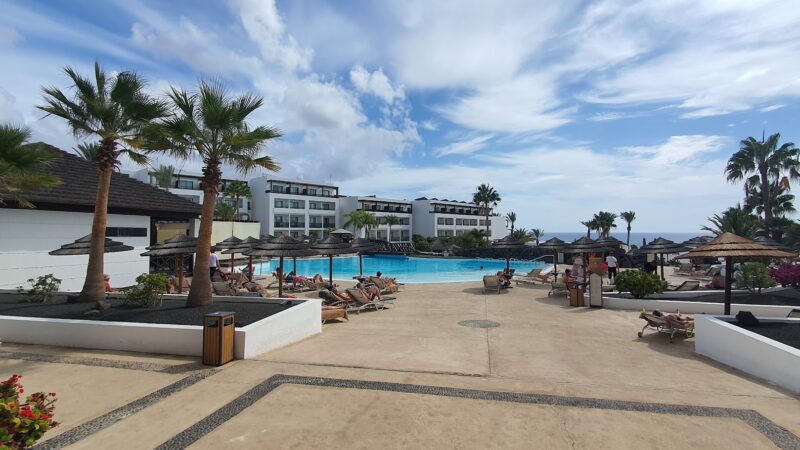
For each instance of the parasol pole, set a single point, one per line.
(280, 278)
(330, 269)
(250, 269)
(294, 265)
(728, 280)
(232, 266)
(555, 266)
(661, 260)
(179, 272)
(360, 266)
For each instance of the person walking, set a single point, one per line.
(213, 264)
(611, 260)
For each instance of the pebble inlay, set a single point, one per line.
(478, 324)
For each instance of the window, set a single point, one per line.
(326, 192)
(395, 235)
(405, 221)
(473, 222)
(193, 198)
(294, 234)
(381, 235)
(297, 204)
(459, 221)
(483, 222)
(315, 221)
(459, 232)
(277, 188)
(405, 235)
(328, 206)
(328, 222)
(281, 203)
(126, 232)
(294, 190)
(281, 221)
(185, 184)
(312, 191)
(448, 221)
(444, 233)
(297, 221)
(440, 221)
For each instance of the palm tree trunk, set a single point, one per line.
(589, 232)
(200, 292)
(628, 241)
(94, 287)
(389, 236)
(487, 223)
(765, 196)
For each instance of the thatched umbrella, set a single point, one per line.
(438, 246)
(583, 246)
(342, 234)
(697, 241)
(81, 247)
(609, 241)
(282, 247)
(729, 246)
(361, 245)
(231, 242)
(660, 247)
(770, 243)
(330, 246)
(177, 246)
(554, 245)
(247, 243)
(507, 244)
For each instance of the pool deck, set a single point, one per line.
(549, 376)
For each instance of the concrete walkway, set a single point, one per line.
(549, 376)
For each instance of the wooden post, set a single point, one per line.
(330, 269)
(250, 269)
(280, 278)
(728, 282)
(360, 266)
(661, 260)
(555, 266)
(231, 266)
(179, 272)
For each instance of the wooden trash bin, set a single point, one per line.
(576, 295)
(219, 329)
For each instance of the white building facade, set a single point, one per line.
(448, 218)
(294, 207)
(381, 208)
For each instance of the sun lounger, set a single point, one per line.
(382, 286)
(492, 283)
(332, 312)
(667, 323)
(691, 285)
(362, 302)
(557, 287)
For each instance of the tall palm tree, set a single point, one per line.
(628, 217)
(781, 201)
(213, 125)
(354, 218)
(590, 226)
(605, 222)
(764, 163)
(537, 234)
(115, 110)
(734, 220)
(225, 211)
(520, 235)
(487, 198)
(512, 217)
(87, 150)
(237, 189)
(390, 221)
(163, 176)
(20, 165)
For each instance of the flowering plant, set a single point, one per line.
(23, 423)
(786, 274)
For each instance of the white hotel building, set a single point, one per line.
(294, 207)
(381, 208)
(447, 218)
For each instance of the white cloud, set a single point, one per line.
(265, 27)
(679, 148)
(429, 125)
(375, 83)
(8, 35)
(773, 107)
(464, 147)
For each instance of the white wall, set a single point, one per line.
(26, 235)
(689, 307)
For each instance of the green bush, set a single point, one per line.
(639, 284)
(149, 290)
(754, 277)
(421, 244)
(43, 289)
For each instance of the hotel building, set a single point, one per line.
(447, 218)
(381, 208)
(294, 207)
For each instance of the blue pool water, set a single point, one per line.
(405, 269)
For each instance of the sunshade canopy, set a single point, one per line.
(662, 246)
(331, 245)
(81, 247)
(361, 244)
(230, 242)
(586, 245)
(731, 245)
(341, 231)
(174, 246)
(770, 243)
(249, 242)
(553, 244)
(698, 240)
(507, 243)
(280, 246)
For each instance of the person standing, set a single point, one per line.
(611, 260)
(213, 264)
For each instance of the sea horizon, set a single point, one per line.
(636, 236)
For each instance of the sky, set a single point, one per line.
(565, 108)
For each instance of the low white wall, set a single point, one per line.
(284, 328)
(749, 352)
(690, 307)
(26, 235)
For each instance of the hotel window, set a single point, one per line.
(185, 184)
(326, 192)
(459, 221)
(315, 221)
(448, 221)
(294, 234)
(405, 235)
(297, 204)
(328, 206)
(312, 191)
(281, 221)
(294, 190)
(440, 221)
(459, 232)
(473, 222)
(328, 222)
(297, 221)
(277, 188)
(281, 203)
(405, 221)
(125, 232)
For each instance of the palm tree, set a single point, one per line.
(20, 164)
(213, 125)
(486, 197)
(237, 189)
(391, 220)
(781, 201)
(116, 111)
(512, 217)
(225, 211)
(734, 220)
(764, 163)
(605, 222)
(590, 225)
(520, 235)
(87, 150)
(370, 222)
(537, 234)
(163, 176)
(628, 217)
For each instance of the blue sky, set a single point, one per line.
(566, 108)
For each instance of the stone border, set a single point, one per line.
(780, 436)
(100, 362)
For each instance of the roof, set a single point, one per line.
(372, 198)
(126, 195)
(729, 244)
(296, 181)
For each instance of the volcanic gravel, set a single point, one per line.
(787, 333)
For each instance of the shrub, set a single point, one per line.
(43, 289)
(23, 423)
(639, 284)
(786, 274)
(754, 277)
(421, 244)
(149, 290)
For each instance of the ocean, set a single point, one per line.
(636, 237)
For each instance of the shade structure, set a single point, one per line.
(245, 244)
(177, 246)
(362, 245)
(586, 245)
(660, 246)
(81, 247)
(609, 241)
(229, 243)
(730, 246)
(330, 246)
(438, 246)
(340, 231)
(698, 240)
(770, 243)
(281, 247)
(507, 245)
(554, 245)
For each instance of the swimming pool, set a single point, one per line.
(405, 269)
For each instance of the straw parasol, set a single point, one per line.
(438, 246)
(770, 243)
(697, 241)
(247, 243)
(282, 247)
(231, 242)
(330, 246)
(81, 247)
(729, 246)
(507, 244)
(361, 245)
(554, 245)
(177, 246)
(586, 245)
(660, 246)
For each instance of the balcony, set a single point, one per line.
(315, 225)
(281, 224)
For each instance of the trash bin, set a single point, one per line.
(219, 329)
(576, 295)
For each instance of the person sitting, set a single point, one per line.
(107, 283)
(341, 296)
(387, 281)
(370, 292)
(651, 266)
(717, 281)
(318, 279)
(567, 278)
(171, 285)
(289, 277)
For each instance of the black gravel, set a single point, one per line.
(172, 312)
(786, 298)
(786, 333)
